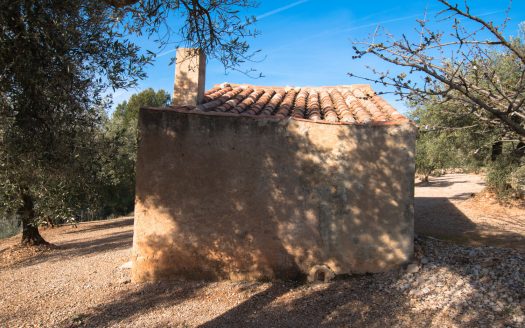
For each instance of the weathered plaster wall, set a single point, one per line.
(224, 197)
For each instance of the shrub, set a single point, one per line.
(517, 180)
(506, 176)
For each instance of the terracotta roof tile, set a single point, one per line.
(344, 113)
(345, 104)
(248, 101)
(327, 107)
(287, 104)
(257, 108)
(270, 107)
(299, 109)
(313, 109)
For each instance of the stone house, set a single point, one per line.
(251, 182)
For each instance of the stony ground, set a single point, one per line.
(81, 283)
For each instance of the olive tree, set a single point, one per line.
(57, 61)
(117, 174)
(461, 65)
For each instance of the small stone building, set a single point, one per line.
(251, 182)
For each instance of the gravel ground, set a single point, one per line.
(82, 283)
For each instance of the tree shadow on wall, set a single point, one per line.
(185, 85)
(235, 206)
(463, 286)
(245, 198)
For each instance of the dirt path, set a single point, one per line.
(446, 209)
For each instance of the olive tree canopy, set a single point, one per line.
(58, 60)
(473, 64)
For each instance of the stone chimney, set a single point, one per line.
(190, 73)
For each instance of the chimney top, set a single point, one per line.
(190, 74)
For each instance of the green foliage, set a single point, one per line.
(517, 179)
(472, 64)
(117, 173)
(506, 175)
(449, 137)
(433, 152)
(453, 137)
(101, 179)
(57, 59)
(126, 113)
(59, 155)
(215, 26)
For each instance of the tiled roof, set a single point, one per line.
(345, 104)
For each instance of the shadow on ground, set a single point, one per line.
(90, 244)
(440, 218)
(337, 304)
(103, 225)
(442, 183)
(370, 300)
(357, 301)
(140, 300)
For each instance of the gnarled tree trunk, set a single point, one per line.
(30, 233)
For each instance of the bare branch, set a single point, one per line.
(459, 67)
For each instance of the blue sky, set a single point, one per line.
(309, 42)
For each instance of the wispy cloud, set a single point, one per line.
(266, 14)
(363, 25)
(281, 9)
(383, 22)
(492, 13)
(167, 52)
(331, 32)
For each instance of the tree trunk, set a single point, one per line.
(30, 233)
(497, 149)
(520, 150)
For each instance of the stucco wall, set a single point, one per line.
(235, 197)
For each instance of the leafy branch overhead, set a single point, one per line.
(216, 27)
(58, 61)
(474, 65)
